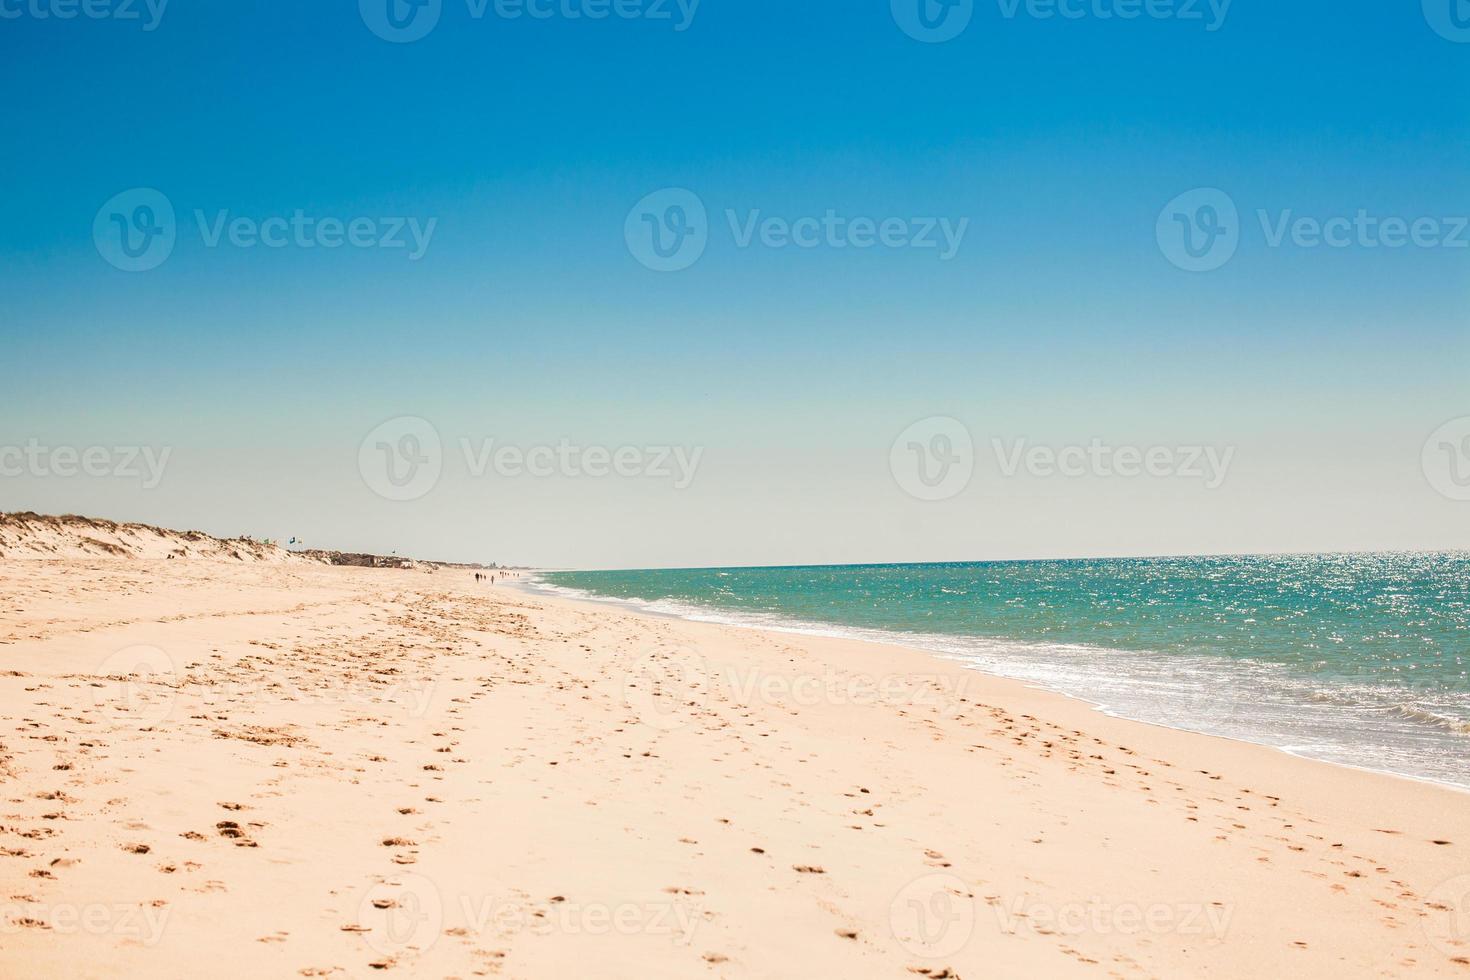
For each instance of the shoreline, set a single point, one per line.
(534, 586)
(343, 772)
(1076, 702)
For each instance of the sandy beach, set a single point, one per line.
(270, 769)
(641, 489)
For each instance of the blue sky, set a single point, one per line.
(529, 320)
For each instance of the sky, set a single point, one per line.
(727, 283)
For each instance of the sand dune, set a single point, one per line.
(28, 535)
(289, 769)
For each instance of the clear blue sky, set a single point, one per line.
(528, 319)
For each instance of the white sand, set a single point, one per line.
(278, 769)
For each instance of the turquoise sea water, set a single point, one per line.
(1357, 659)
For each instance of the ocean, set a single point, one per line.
(1361, 660)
